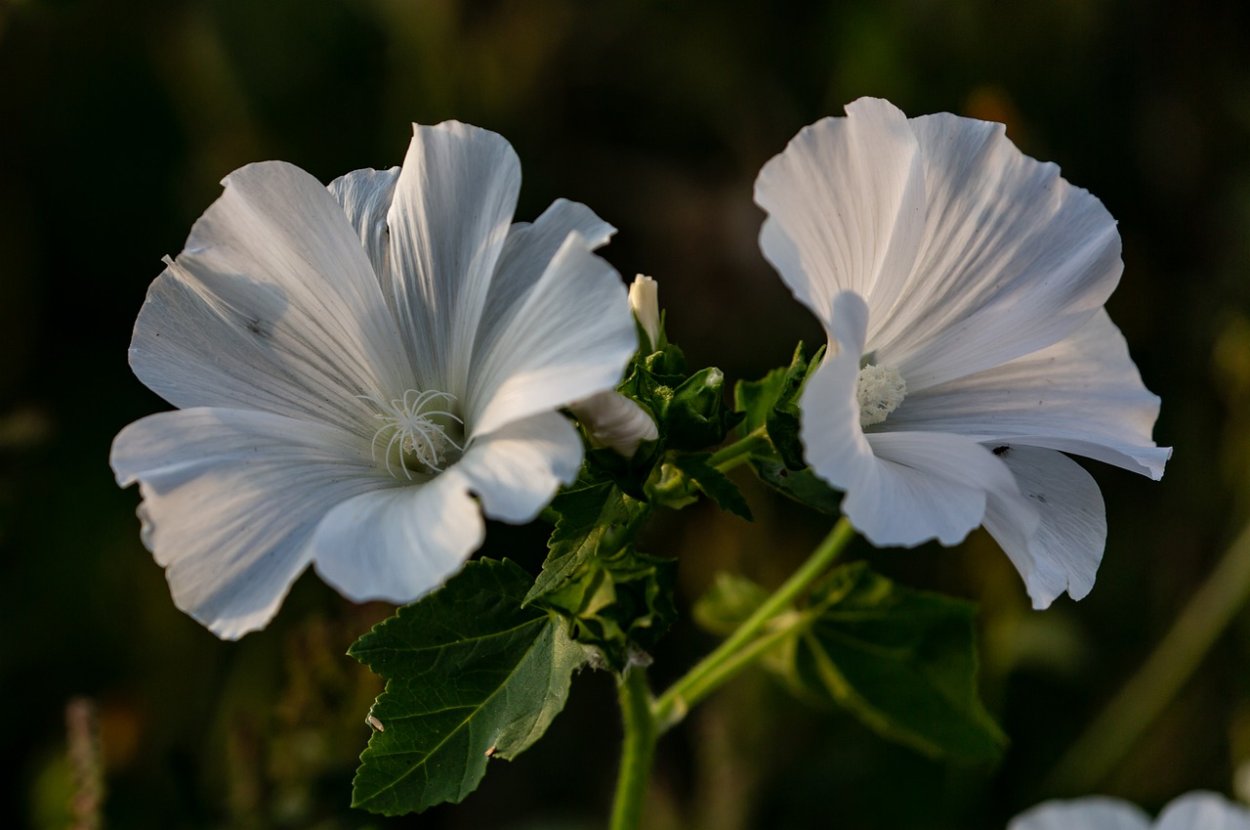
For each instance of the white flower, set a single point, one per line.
(364, 371)
(961, 285)
(644, 299)
(1194, 811)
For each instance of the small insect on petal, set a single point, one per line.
(375, 723)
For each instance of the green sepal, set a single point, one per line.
(470, 675)
(903, 661)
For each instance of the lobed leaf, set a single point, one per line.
(903, 661)
(470, 675)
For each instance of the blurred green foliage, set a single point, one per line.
(117, 120)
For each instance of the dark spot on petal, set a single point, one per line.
(1001, 450)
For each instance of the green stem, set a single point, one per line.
(637, 751)
(741, 647)
(1109, 738)
(739, 452)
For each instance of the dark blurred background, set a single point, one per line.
(117, 120)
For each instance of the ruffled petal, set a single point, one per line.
(452, 207)
(1082, 395)
(273, 305)
(366, 199)
(901, 488)
(845, 204)
(230, 500)
(516, 470)
(526, 254)
(398, 544)
(1203, 811)
(1095, 813)
(1013, 257)
(569, 337)
(1063, 552)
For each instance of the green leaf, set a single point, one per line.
(904, 661)
(772, 402)
(728, 603)
(803, 486)
(592, 519)
(714, 483)
(783, 418)
(470, 675)
(615, 598)
(755, 399)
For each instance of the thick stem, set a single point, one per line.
(1109, 738)
(742, 647)
(637, 752)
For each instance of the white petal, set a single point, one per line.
(1203, 811)
(1013, 258)
(937, 486)
(366, 199)
(1081, 395)
(1063, 552)
(526, 254)
(569, 337)
(230, 499)
(845, 203)
(1094, 813)
(613, 420)
(901, 488)
(833, 443)
(398, 544)
(516, 470)
(452, 207)
(273, 305)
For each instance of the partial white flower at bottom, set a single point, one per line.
(363, 372)
(961, 285)
(1194, 811)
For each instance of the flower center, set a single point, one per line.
(879, 390)
(419, 433)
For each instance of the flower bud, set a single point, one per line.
(644, 300)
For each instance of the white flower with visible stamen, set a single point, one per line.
(961, 285)
(363, 372)
(1193, 811)
(415, 435)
